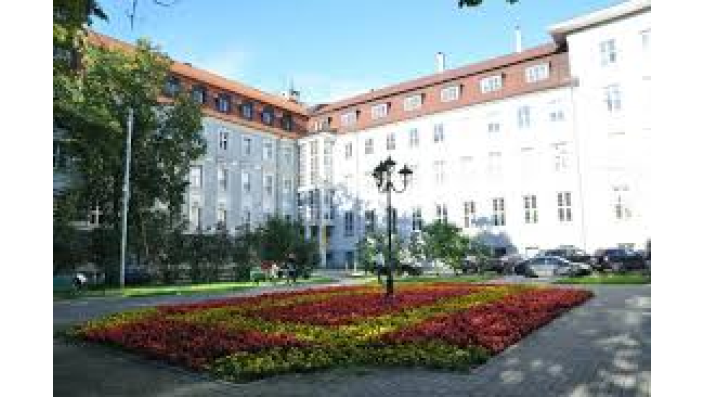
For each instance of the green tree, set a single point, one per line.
(445, 242)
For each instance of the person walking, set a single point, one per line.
(379, 265)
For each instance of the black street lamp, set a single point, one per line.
(383, 176)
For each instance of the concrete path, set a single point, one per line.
(602, 348)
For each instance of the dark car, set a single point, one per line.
(570, 253)
(137, 276)
(618, 260)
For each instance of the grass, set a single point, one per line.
(447, 278)
(141, 291)
(611, 278)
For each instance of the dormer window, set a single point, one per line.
(380, 110)
(536, 73)
(267, 115)
(491, 83)
(199, 94)
(413, 102)
(172, 86)
(222, 103)
(451, 93)
(287, 123)
(246, 110)
(348, 119)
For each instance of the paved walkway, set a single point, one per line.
(602, 348)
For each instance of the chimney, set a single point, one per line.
(440, 62)
(517, 38)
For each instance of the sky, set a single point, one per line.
(333, 49)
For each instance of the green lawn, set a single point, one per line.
(447, 278)
(627, 278)
(129, 292)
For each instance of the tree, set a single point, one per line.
(446, 243)
(166, 139)
(373, 243)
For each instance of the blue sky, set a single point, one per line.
(333, 49)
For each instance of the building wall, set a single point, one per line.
(614, 145)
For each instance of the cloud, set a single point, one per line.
(230, 62)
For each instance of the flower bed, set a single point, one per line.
(439, 325)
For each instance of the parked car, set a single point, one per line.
(618, 260)
(412, 269)
(137, 276)
(570, 253)
(510, 261)
(549, 266)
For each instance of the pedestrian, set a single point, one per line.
(290, 269)
(379, 265)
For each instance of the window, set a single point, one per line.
(413, 102)
(369, 146)
(287, 153)
(555, 114)
(222, 178)
(246, 218)
(391, 141)
(94, 215)
(173, 86)
(222, 103)
(439, 171)
(416, 219)
(287, 122)
(348, 119)
(451, 93)
(413, 137)
(531, 214)
(314, 162)
(222, 217)
(223, 140)
(246, 146)
(196, 176)
(442, 213)
(348, 150)
(498, 214)
(380, 110)
(493, 127)
(470, 213)
(622, 207)
(608, 52)
(370, 221)
(524, 117)
(489, 84)
(613, 98)
(287, 186)
(269, 185)
(438, 134)
(536, 73)
(466, 171)
(349, 223)
(268, 115)
(560, 156)
(246, 184)
(61, 159)
(268, 150)
(528, 162)
(246, 110)
(494, 165)
(645, 39)
(195, 216)
(564, 210)
(199, 94)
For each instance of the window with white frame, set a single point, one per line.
(493, 127)
(246, 183)
(223, 140)
(438, 133)
(439, 171)
(469, 213)
(528, 162)
(268, 115)
(613, 98)
(391, 141)
(413, 137)
(246, 146)
(348, 119)
(195, 216)
(221, 217)
(369, 146)
(450, 93)
(531, 213)
(348, 150)
(608, 52)
(536, 73)
(442, 213)
(370, 221)
(288, 157)
(196, 176)
(494, 165)
(555, 112)
(380, 110)
(416, 219)
(564, 207)
(222, 103)
(246, 110)
(498, 214)
(269, 185)
(560, 156)
(222, 178)
(268, 150)
(524, 116)
(413, 102)
(622, 205)
(491, 83)
(349, 223)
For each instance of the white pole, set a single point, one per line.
(126, 196)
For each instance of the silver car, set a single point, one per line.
(549, 266)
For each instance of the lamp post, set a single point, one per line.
(383, 174)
